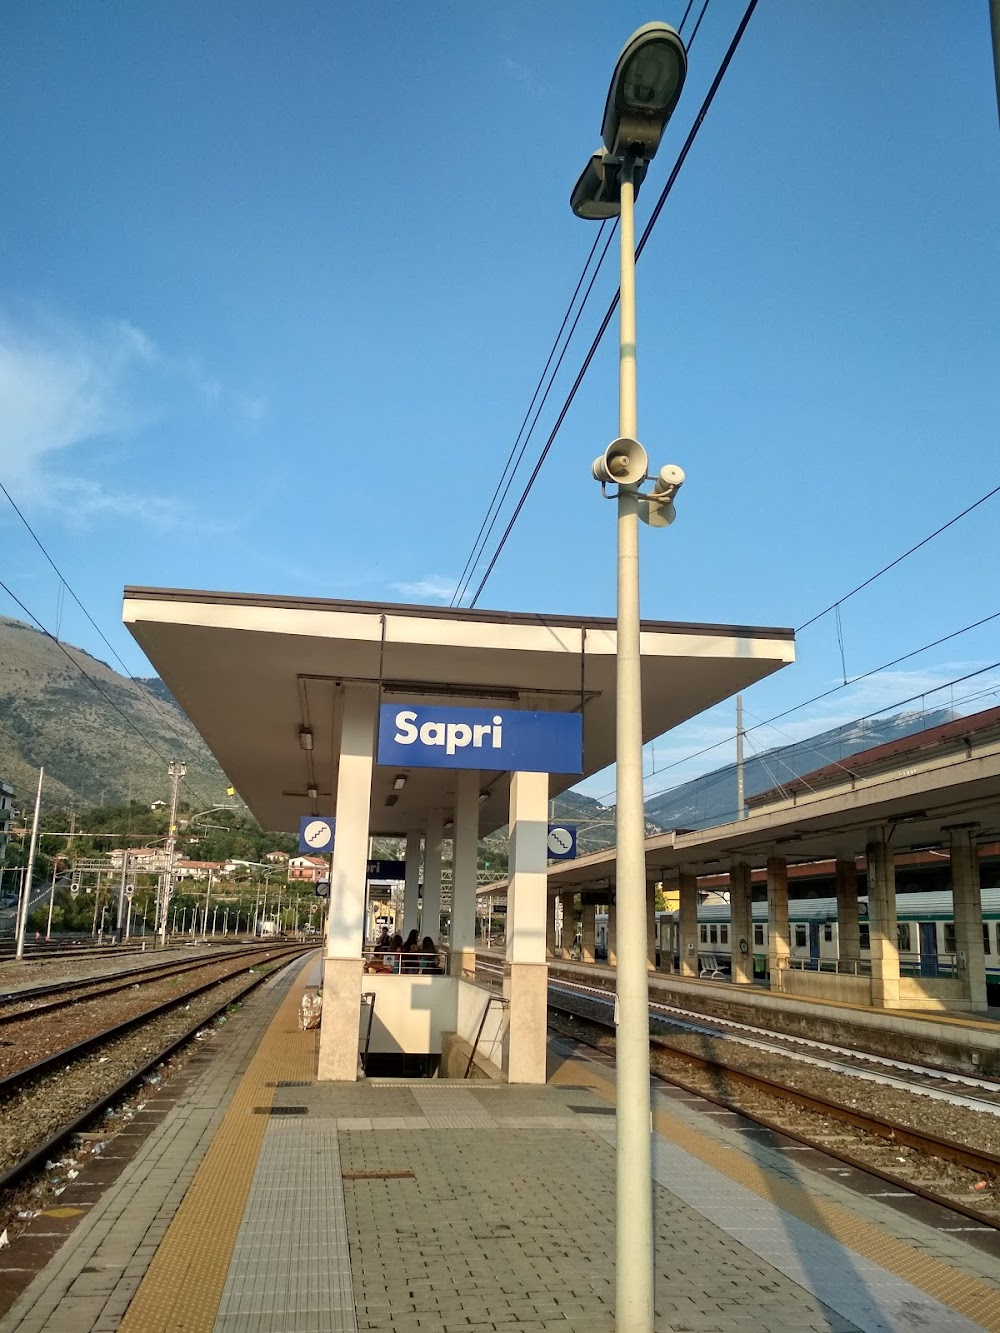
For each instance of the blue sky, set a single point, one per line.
(276, 284)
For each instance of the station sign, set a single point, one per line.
(561, 842)
(316, 833)
(390, 870)
(511, 739)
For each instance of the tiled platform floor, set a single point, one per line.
(434, 1207)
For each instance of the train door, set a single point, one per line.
(814, 942)
(928, 948)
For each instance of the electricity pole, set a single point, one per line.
(740, 810)
(22, 919)
(176, 771)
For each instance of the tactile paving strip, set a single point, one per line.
(184, 1284)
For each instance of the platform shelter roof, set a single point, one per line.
(250, 671)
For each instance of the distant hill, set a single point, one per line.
(711, 799)
(88, 738)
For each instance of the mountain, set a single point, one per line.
(711, 799)
(100, 742)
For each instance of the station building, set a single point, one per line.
(288, 694)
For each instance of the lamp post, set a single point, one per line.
(644, 89)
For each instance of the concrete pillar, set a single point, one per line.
(777, 920)
(612, 934)
(525, 972)
(430, 916)
(568, 903)
(651, 927)
(588, 930)
(740, 927)
(463, 874)
(550, 927)
(882, 920)
(967, 909)
(338, 1038)
(687, 925)
(848, 933)
(411, 886)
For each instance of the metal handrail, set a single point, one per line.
(491, 1000)
(368, 997)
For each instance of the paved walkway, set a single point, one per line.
(265, 1202)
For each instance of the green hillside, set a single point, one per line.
(100, 743)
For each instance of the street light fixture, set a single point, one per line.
(644, 90)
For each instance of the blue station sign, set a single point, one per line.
(419, 736)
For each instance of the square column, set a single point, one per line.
(463, 875)
(687, 925)
(411, 886)
(882, 920)
(525, 972)
(338, 1038)
(588, 930)
(967, 908)
(848, 932)
(651, 927)
(777, 920)
(740, 927)
(611, 934)
(568, 903)
(430, 916)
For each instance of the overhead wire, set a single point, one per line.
(64, 584)
(492, 515)
(825, 694)
(612, 307)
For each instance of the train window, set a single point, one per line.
(801, 935)
(758, 933)
(949, 937)
(704, 934)
(903, 936)
(986, 937)
(864, 935)
(713, 934)
(828, 931)
(998, 937)
(723, 934)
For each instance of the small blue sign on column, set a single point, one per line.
(419, 736)
(562, 842)
(316, 833)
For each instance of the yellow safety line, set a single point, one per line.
(959, 1291)
(183, 1286)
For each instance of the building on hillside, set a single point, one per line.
(276, 857)
(158, 805)
(308, 869)
(196, 869)
(141, 860)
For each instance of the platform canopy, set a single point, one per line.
(252, 671)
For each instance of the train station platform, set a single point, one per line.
(264, 1200)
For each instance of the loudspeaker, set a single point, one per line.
(623, 461)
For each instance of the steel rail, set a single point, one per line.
(12, 1081)
(38, 1154)
(105, 985)
(945, 1149)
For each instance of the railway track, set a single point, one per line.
(30, 1001)
(26, 1090)
(873, 1144)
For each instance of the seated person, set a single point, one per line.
(429, 956)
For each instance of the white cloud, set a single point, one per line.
(432, 588)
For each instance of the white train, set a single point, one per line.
(925, 933)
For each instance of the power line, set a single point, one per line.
(484, 533)
(825, 694)
(681, 158)
(64, 584)
(899, 559)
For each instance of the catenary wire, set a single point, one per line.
(825, 694)
(898, 560)
(682, 156)
(65, 584)
(483, 535)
